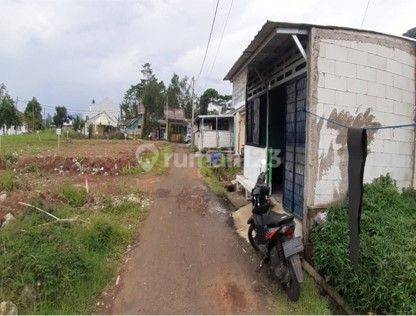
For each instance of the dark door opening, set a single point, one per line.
(277, 138)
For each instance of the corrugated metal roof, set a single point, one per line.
(270, 27)
(214, 116)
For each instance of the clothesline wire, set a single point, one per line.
(369, 127)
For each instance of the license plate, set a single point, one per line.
(292, 246)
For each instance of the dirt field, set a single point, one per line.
(98, 163)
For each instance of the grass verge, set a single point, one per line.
(217, 176)
(309, 303)
(52, 268)
(28, 143)
(384, 280)
(158, 162)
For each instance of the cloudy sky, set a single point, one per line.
(69, 52)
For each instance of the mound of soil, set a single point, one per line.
(84, 165)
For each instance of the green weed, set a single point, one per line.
(309, 303)
(384, 281)
(8, 181)
(62, 269)
(216, 176)
(73, 195)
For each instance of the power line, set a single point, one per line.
(368, 127)
(209, 40)
(365, 13)
(21, 100)
(222, 35)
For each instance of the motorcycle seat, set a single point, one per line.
(275, 219)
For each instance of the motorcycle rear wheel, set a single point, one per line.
(252, 236)
(292, 287)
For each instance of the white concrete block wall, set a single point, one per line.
(353, 76)
(209, 139)
(225, 139)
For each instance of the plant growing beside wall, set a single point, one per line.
(384, 281)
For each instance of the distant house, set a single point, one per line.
(100, 125)
(14, 130)
(215, 131)
(177, 126)
(132, 127)
(102, 120)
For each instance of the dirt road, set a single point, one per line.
(188, 259)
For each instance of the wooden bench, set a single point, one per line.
(245, 183)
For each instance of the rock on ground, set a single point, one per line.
(8, 308)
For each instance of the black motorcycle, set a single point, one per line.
(272, 234)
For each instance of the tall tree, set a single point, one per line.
(9, 115)
(78, 123)
(61, 116)
(212, 96)
(48, 121)
(185, 101)
(130, 102)
(33, 115)
(174, 92)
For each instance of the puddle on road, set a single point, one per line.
(199, 200)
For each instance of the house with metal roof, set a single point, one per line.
(215, 131)
(301, 85)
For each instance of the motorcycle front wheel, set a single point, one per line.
(292, 287)
(252, 236)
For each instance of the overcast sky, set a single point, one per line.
(69, 52)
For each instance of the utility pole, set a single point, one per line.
(193, 114)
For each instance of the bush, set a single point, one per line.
(7, 181)
(74, 196)
(384, 281)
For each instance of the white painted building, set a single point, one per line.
(14, 130)
(215, 132)
(355, 77)
(102, 119)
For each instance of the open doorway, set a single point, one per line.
(277, 114)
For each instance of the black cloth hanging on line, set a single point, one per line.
(357, 153)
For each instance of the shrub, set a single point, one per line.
(74, 196)
(7, 181)
(384, 281)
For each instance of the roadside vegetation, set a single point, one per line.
(219, 176)
(27, 143)
(384, 281)
(158, 161)
(309, 303)
(8, 181)
(57, 267)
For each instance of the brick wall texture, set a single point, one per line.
(360, 83)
